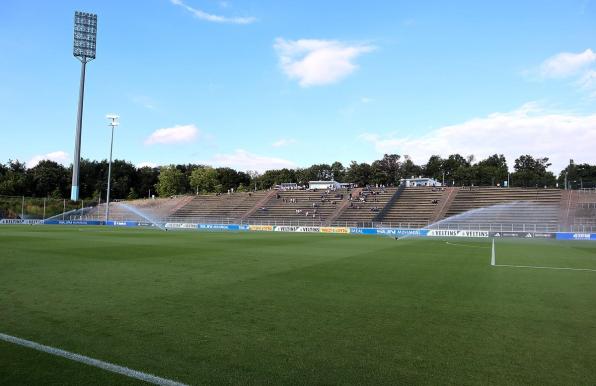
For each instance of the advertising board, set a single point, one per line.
(402, 232)
(287, 228)
(180, 225)
(363, 231)
(456, 233)
(123, 223)
(575, 236)
(261, 228)
(335, 230)
(527, 235)
(223, 227)
(73, 222)
(544, 235)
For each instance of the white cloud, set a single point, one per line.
(318, 62)
(567, 64)
(176, 134)
(366, 100)
(527, 130)
(144, 101)
(199, 14)
(146, 164)
(283, 142)
(243, 160)
(57, 156)
(588, 82)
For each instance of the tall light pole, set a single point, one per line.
(113, 118)
(85, 37)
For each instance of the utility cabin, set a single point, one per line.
(420, 181)
(287, 186)
(323, 185)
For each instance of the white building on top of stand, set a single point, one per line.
(420, 181)
(323, 185)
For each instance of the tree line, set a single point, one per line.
(50, 179)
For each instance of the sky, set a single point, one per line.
(256, 85)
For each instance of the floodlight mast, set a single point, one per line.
(113, 118)
(85, 38)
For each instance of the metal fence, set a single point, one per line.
(31, 208)
(485, 226)
(28, 208)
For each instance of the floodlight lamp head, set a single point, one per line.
(113, 119)
(85, 36)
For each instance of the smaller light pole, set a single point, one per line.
(113, 118)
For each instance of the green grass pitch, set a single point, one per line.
(274, 308)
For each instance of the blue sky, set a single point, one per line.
(267, 84)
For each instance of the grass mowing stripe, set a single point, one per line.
(493, 263)
(537, 267)
(91, 362)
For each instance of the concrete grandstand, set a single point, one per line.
(405, 207)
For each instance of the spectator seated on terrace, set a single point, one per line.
(298, 205)
(364, 204)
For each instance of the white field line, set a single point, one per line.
(91, 362)
(537, 267)
(464, 245)
(493, 263)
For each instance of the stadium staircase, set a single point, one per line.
(365, 207)
(379, 217)
(415, 207)
(298, 207)
(259, 204)
(444, 204)
(342, 207)
(581, 210)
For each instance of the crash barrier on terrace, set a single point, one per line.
(393, 232)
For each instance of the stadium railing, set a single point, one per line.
(34, 208)
(491, 227)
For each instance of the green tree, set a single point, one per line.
(338, 171)
(455, 169)
(531, 172)
(275, 177)
(386, 171)
(203, 179)
(578, 176)
(132, 194)
(123, 178)
(47, 177)
(409, 169)
(434, 168)
(317, 172)
(230, 178)
(171, 181)
(146, 179)
(93, 178)
(492, 170)
(15, 181)
(359, 173)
